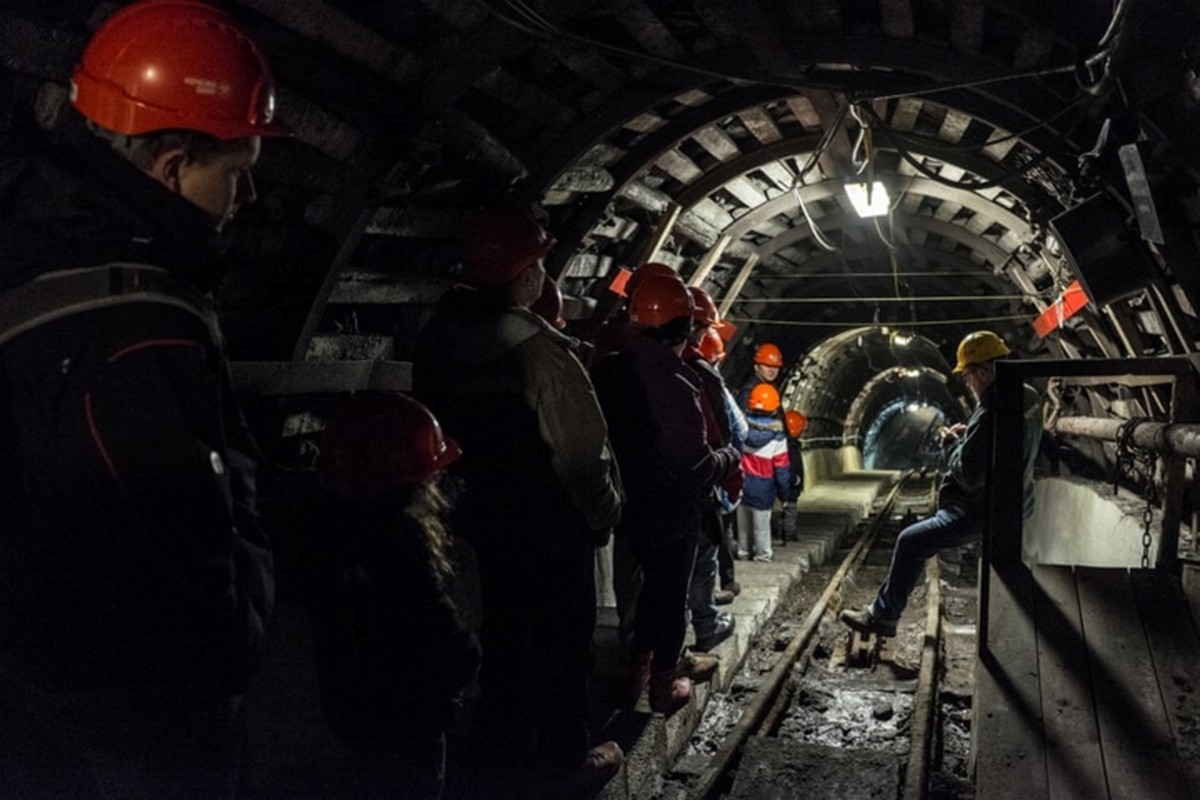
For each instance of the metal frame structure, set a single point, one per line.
(1003, 521)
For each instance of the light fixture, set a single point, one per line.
(868, 199)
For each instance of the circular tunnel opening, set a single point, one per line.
(904, 435)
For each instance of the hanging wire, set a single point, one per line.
(818, 236)
(944, 298)
(862, 324)
(520, 16)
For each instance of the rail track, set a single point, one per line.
(762, 738)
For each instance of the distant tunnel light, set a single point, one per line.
(873, 203)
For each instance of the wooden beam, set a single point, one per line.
(966, 25)
(709, 261)
(759, 32)
(286, 378)
(640, 22)
(760, 124)
(731, 294)
(343, 35)
(661, 232)
(897, 18)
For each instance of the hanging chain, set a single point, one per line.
(1131, 459)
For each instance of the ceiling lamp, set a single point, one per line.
(868, 199)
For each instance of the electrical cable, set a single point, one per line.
(540, 30)
(536, 25)
(818, 237)
(863, 324)
(967, 298)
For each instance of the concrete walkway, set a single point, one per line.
(828, 513)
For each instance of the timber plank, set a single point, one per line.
(1074, 764)
(1175, 648)
(1007, 752)
(1135, 736)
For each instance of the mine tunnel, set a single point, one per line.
(861, 184)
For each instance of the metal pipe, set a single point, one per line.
(1161, 437)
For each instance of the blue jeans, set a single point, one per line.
(701, 604)
(949, 527)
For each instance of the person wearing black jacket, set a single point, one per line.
(389, 688)
(135, 581)
(540, 493)
(961, 496)
(652, 401)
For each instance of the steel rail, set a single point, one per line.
(916, 783)
(761, 707)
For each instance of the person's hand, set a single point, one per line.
(953, 433)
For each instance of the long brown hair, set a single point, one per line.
(427, 505)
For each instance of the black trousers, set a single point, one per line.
(538, 606)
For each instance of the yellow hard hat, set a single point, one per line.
(978, 347)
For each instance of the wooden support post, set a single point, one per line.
(734, 290)
(709, 261)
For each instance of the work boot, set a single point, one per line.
(723, 597)
(639, 679)
(863, 621)
(722, 630)
(668, 693)
(699, 667)
(602, 762)
(599, 766)
(733, 586)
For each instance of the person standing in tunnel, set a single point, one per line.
(712, 347)
(661, 438)
(959, 516)
(541, 492)
(136, 582)
(710, 625)
(795, 423)
(768, 473)
(385, 560)
(768, 363)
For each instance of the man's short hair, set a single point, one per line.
(142, 151)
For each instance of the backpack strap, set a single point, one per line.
(59, 294)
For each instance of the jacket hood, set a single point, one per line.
(474, 327)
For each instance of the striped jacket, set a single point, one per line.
(765, 462)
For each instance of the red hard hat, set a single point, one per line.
(712, 346)
(706, 310)
(768, 355)
(549, 305)
(796, 423)
(764, 397)
(500, 244)
(379, 442)
(658, 300)
(175, 64)
(648, 270)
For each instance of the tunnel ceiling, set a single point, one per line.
(715, 136)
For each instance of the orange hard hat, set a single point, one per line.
(712, 346)
(768, 355)
(549, 305)
(796, 423)
(658, 300)
(378, 442)
(175, 65)
(648, 270)
(500, 244)
(764, 397)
